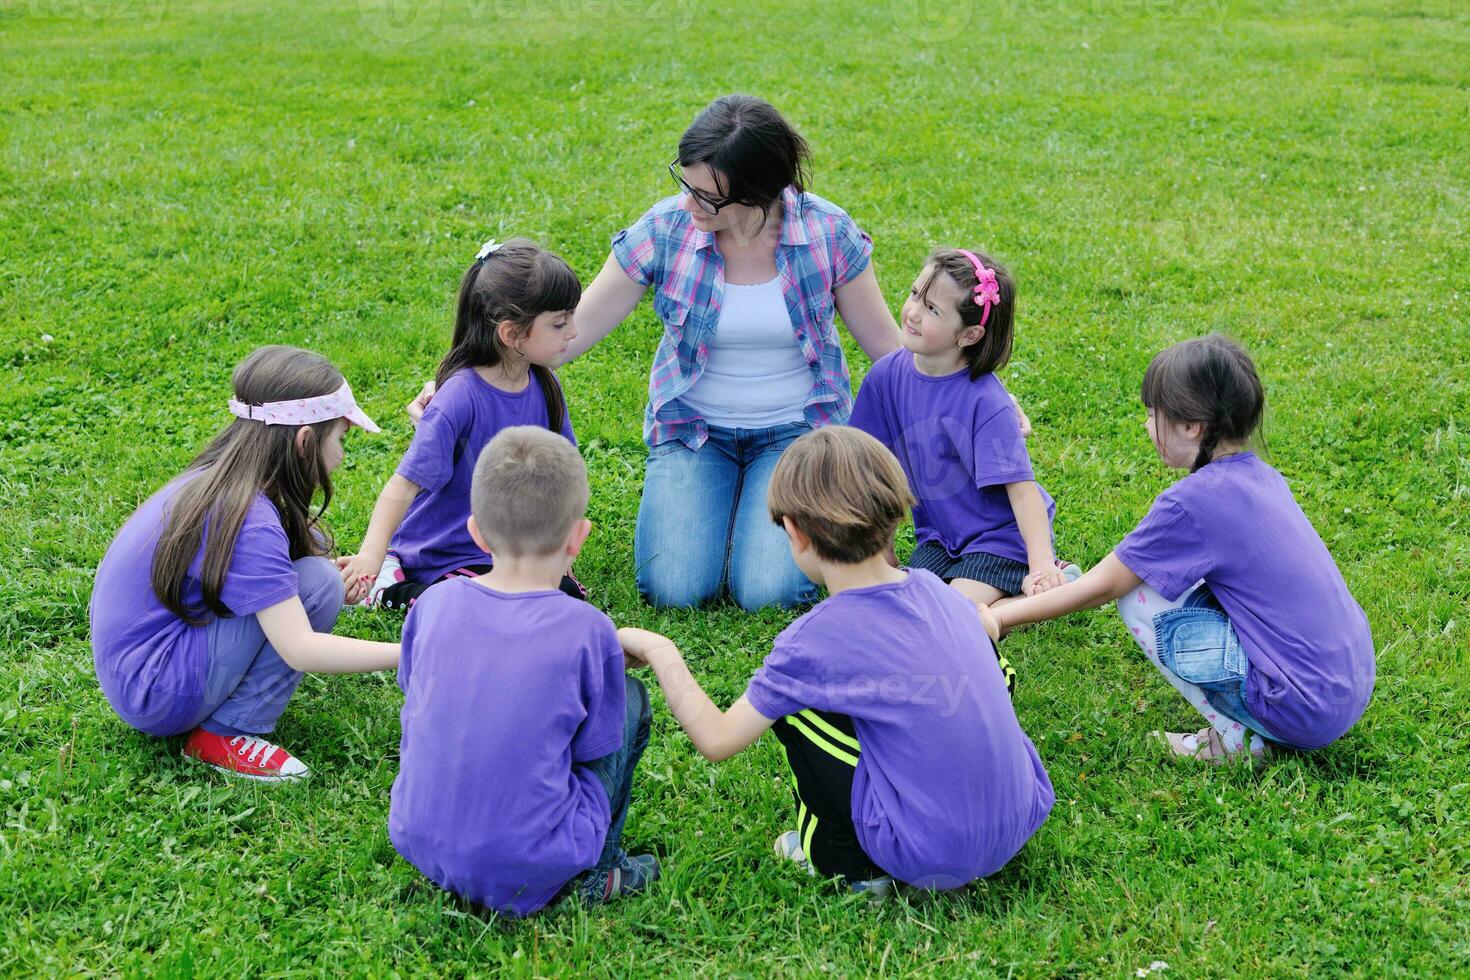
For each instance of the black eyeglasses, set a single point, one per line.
(706, 203)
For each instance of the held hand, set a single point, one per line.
(988, 620)
(358, 575)
(1042, 579)
(638, 644)
(415, 408)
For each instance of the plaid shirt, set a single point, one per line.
(821, 249)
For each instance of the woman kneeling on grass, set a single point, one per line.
(1225, 583)
(216, 594)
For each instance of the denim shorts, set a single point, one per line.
(1197, 642)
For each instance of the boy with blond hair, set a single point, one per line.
(909, 763)
(520, 729)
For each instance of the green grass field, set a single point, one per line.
(182, 181)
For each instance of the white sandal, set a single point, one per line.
(1207, 746)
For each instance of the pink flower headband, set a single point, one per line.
(304, 411)
(987, 290)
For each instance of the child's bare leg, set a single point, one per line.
(1138, 610)
(977, 592)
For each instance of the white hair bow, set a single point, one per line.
(489, 248)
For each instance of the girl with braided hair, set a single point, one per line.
(1225, 584)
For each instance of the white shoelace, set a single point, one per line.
(254, 749)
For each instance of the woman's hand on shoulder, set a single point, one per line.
(415, 408)
(1021, 417)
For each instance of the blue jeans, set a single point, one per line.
(703, 523)
(248, 683)
(615, 771)
(1197, 642)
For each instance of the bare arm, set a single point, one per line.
(716, 734)
(1109, 579)
(866, 316)
(388, 513)
(303, 648)
(605, 304)
(1031, 518)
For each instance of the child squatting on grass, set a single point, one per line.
(520, 728)
(512, 326)
(908, 761)
(216, 594)
(1225, 584)
(982, 522)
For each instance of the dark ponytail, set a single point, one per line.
(755, 153)
(1209, 380)
(518, 281)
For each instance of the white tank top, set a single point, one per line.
(756, 375)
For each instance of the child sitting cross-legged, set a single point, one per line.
(520, 728)
(908, 761)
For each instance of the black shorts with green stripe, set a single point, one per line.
(822, 750)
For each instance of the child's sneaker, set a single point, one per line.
(1070, 571)
(246, 756)
(788, 846)
(389, 575)
(629, 876)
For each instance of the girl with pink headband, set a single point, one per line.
(982, 522)
(217, 593)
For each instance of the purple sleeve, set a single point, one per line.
(852, 250)
(429, 461)
(784, 683)
(1000, 450)
(1166, 550)
(867, 408)
(605, 696)
(260, 573)
(636, 249)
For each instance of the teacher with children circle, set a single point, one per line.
(521, 725)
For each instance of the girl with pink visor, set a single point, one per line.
(217, 594)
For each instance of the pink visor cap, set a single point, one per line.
(304, 411)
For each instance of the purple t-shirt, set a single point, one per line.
(464, 415)
(947, 787)
(503, 692)
(150, 663)
(959, 442)
(1235, 524)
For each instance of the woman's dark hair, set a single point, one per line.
(518, 281)
(1209, 380)
(248, 458)
(992, 351)
(754, 152)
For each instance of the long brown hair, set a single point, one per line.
(248, 458)
(1209, 380)
(518, 281)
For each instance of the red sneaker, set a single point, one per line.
(247, 756)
